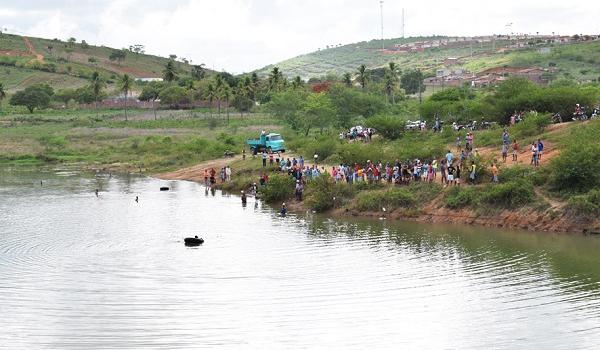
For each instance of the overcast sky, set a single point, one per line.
(242, 35)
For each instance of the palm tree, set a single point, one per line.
(347, 79)
(170, 73)
(191, 88)
(227, 95)
(275, 78)
(392, 80)
(210, 94)
(297, 82)
(198, 71)
(2, 93)
(97, 84)
(218, 91)
(363, 76)
(125, 87)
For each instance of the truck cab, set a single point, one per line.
(268, 142)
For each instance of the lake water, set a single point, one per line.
(80, 272)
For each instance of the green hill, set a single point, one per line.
(573, 59)
(25, 61)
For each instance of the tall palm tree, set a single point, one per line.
(198, 71)
(347, 79)
(210, 94)
(170, 72)
(97, 84)
(297, 82)
(125, 86)
(227, 95)
(275, 78)
(363, 76)
(392, 80)
(2, 93)
(218, 91)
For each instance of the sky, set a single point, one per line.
(242, 35)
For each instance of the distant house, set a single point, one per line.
(147, 80)
(451, 61)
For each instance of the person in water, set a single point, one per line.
(244, 198)
(96, 192)
(137, 199)
(283, 211)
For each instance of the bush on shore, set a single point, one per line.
(323, 193)
(279, 188)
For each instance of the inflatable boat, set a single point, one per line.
(193, 241)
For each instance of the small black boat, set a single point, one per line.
(164, 188)
(193, 241)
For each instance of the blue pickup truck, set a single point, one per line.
(267, 142)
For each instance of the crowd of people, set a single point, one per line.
(453, 169)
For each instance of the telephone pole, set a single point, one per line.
(403, 23)
(381, 13)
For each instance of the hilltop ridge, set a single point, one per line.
(569, 57)
(28, 60)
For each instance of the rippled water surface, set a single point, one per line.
(81, 272)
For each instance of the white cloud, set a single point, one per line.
(241, 35)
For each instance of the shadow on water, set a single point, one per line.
(569, 256)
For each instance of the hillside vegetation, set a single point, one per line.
(25, 61)
(578, 60)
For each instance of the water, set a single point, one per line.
(80, 272)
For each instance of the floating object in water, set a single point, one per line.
(193, 241)
(164, 188)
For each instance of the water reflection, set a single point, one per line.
(80, 271)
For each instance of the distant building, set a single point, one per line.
(146, 80)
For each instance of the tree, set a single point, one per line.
(96, 86)
(286, 105)
(137, 49)
(118, 55)
(412, 82)
(66, 95)
(391, 80)
(363, 76)
(2, 93)
(275, 79)
(151, 92)
(71, 41)
(317, 111)
(227, 96)
(241, 100)
(347, 79)
(170, 73)
(210, 95)
(218, 91)
(84, 45)
(125, 86)
(34, 96)
(297, 82)
(173, 96)
(198, 71)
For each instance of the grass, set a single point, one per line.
(80, 136)
(579, 61)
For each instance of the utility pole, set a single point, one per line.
(381, 13)
(403, 23)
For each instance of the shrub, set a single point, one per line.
(387, 126)
(399, 197)
(532, 124)
(508, 194)
(320, 193)
(577, 168)
(460, 197)
(587, 205)
(280, 187)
